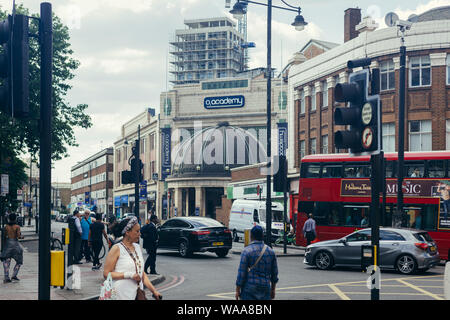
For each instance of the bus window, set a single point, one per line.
(391, 169)
(436, 169)
(331, 171)
(312, 170)
(357, 171)
(414, 169)
(356, 215)
(328, 214)
(422, 217)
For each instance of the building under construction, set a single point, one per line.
(207, 49)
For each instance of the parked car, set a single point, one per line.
(195, 234)
(404, 250)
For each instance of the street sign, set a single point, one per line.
(4, 184)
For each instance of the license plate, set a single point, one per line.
(217, 243)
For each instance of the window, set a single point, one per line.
(312, 146)
(324, 94)
(152, 141)
(302, 148)
(312, 171)
(448, 70)
(436, 169)
(414, 169)
(447, 134)
(313, 99)
(387, 75)
(331, 171)
(302, 102)
(389, 137)
(420, 71)
(420, 135)
(324, 144)
(357, 171)
(360, 236)
(390, 236)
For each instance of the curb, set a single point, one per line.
(277, 254)
(154, 282)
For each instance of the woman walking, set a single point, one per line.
(12, 249)
(125, 263)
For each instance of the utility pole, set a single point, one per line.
(46, 41)
(137, 172)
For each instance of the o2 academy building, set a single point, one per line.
(209, 128)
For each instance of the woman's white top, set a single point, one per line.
(126, 288)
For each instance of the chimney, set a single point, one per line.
(352, 17)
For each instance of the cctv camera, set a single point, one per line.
(404, 24)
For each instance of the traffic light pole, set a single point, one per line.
(46, 41)
(375, 161)
(137, 171)
(401, 133)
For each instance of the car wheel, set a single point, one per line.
(406, 264)
(323, 260)
(235, 236)
(183, 249)
(221, 253)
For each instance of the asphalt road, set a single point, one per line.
(204, 276)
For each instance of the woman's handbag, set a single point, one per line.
(140, 294)
(107, 291)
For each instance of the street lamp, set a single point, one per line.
(238, 11)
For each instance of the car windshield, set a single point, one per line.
(423, 237)
(205, 223)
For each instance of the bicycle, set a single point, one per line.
(55, 244)
(290, 238)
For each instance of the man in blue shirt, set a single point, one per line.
(259, 282)
(85, 224)
(309, 230)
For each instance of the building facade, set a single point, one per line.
(92, 182)
(206, 49)
(124, 194)
(427, 114)
(207, 129)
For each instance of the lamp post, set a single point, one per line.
(238, 11)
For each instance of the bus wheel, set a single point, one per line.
(323, 260)
(406, 264)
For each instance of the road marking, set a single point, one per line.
(338, 292)
(174, 283)
(436, 297)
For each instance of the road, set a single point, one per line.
(204, 276)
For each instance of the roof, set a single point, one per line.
(322, 44)
(439, 13)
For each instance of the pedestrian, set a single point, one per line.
(86, 222)
(149, 233)
(96, 231)
(75, 233)
(124, 261)
(12, 248)
(309, 229)
(258, 270)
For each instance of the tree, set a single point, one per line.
(20, 136)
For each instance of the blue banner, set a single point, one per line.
(87, 197)
(124, 199)
(165, 152)
(282, 138)
(224, 102)
(117, 201)
(143, 190)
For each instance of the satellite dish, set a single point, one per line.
(391, 19)
(413, 18)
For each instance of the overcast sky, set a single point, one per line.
(122, 46)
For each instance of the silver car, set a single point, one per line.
(404, 250)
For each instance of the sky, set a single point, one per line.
(123, 46)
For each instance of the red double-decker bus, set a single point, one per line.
(335, 188)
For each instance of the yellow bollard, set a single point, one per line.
(57, 269)
(66, 236)
(246, 237)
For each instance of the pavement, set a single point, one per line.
(27, 287)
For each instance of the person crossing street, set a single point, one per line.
(149, 233)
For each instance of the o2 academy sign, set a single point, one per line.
(224, 102)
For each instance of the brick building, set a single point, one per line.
(92, 182)
(427, 114)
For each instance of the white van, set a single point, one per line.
(245, 214)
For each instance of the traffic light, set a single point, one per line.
(362, 115)
(14, 66)
(280, 177)
(140, 165)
